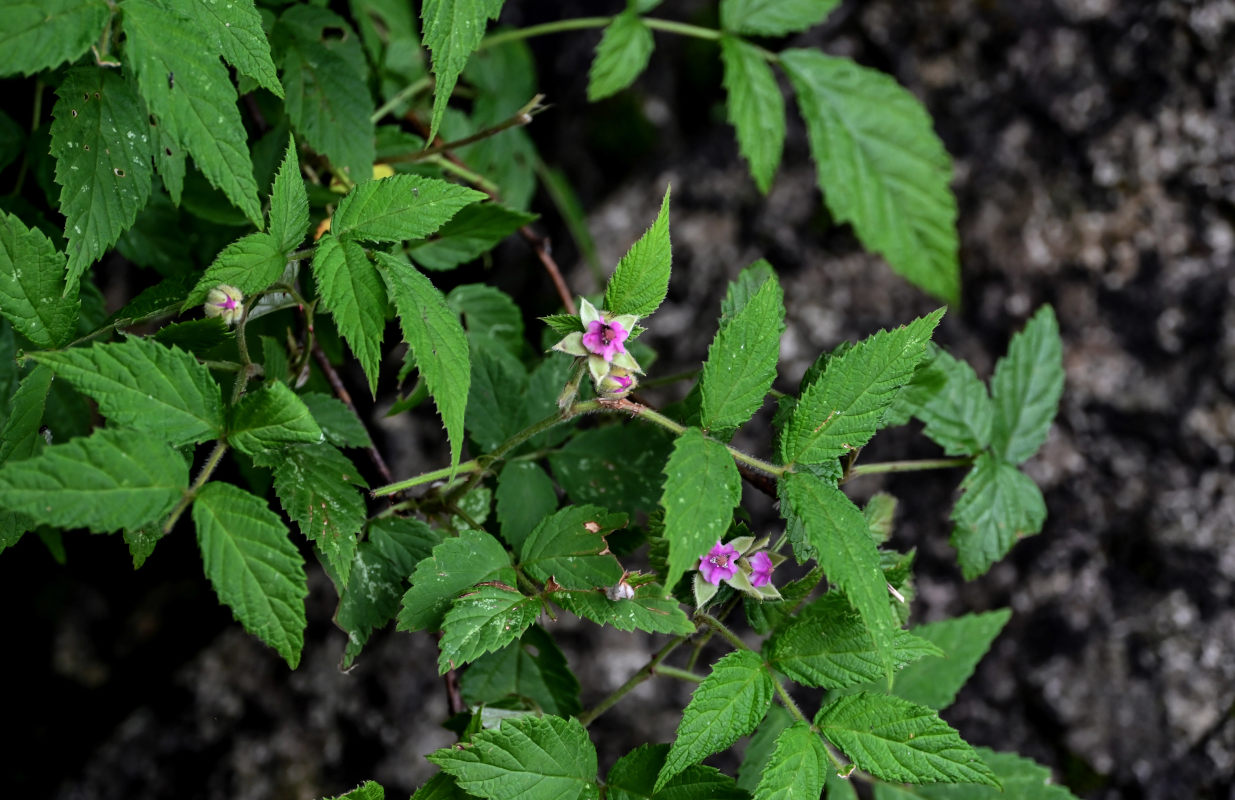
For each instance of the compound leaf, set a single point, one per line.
(100, 138)
(111, 480)
(316, 485)
(742, 360)
(897, 740)
(400, 207)
(456, 565)
(255, 569)
(641, 280)
(773, 17)
(1026, 387)
(328, 100)
(962, 641)
(141, 384)
(269, 417)
(569, 547)
(837, 532)
(999, 505)
(798, 766)
(41, 34)
(621, 56)
(482, 620)
(827, 646)
(351, 289)
(880, 165)
(755, 107)
(726, 706)
(702, 487)
(188, 89)
(437, 340)
(452, 32)
(32, 286)
(526, 758)
(842, 410)
(289, 203)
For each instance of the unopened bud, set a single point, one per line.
(225, 302)
(617, 384)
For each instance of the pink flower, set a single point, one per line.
(719, 564)
(761, 567)
(604, 338)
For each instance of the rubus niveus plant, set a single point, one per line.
(314, 171)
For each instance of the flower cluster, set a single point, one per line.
(225, 302)
(602, 343)
(743, 563)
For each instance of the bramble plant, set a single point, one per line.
(357, 177)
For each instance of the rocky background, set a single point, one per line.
(1094, 144)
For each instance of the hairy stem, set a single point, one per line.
(722, 630)
(404, 94)
(909, 466)
(521, 117)
(212, 463)
(680, 674)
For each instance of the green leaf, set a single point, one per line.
(456, 565)
(827, 646)
(958, 416)
(235, 30)
(1026, 387)
(108, 481)
(378, 578)
(19, 438)
(399, 207)
(255, 569)
(269, 417)
(621, 56)
(837, 532)
(880, 165)
(726, 706)
(842, 410)
(532, 669)
(616, 467)
(141, 384)
(641, 280)
(141, 542)
(649, 610)
(41, 34)
(198, 105)
(469, 234)
(569, 546)
(998, 506)
(251, 263)
(773, 17)
(328, 99)
(488, 312)
(495, 398)
(897, 740)
(352, 291)
(755, 107)
(633, 777)
(762, 743)
(702, 487)
(962, 641)
(101, 141)
(441, 787)
(452, 32)
(527, 758)
(483, 620)
(32, 285)
(437, 340)
(741, 362)
(525, 495)
(340, 425)
(1021, 778)
(798, 766)
(289, 203)
(316, 487)
(369, 790)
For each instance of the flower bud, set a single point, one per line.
(617, 384)
(225, 302)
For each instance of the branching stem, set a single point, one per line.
(646, 671)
